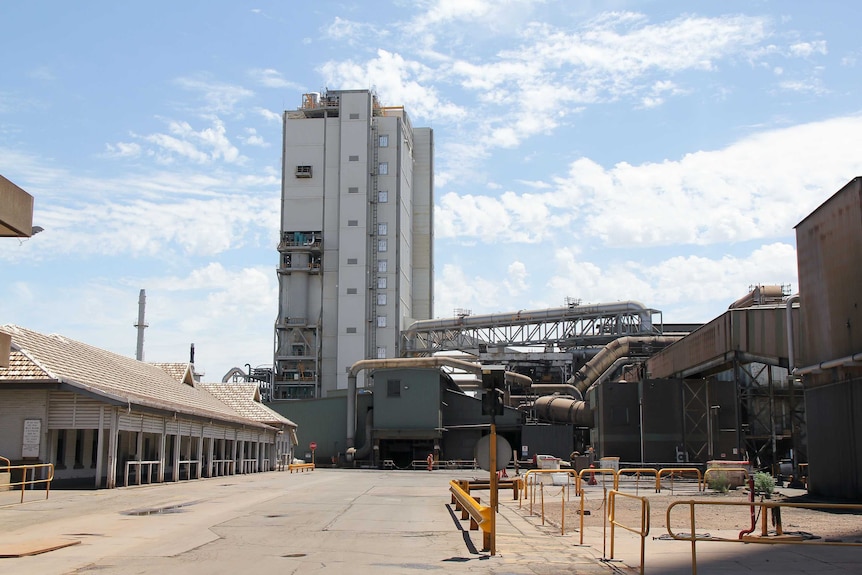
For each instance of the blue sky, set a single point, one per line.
(655, 151)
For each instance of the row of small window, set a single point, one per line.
(381, 322)
(381, 297)
(382, 195)
(382, 227)
(382, 265)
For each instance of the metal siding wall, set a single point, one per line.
(16, 407)
(67, 410)
(829, 250)
(835, 440)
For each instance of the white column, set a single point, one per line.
(100, 446)
(162, 449)
(201, 453)
(113, 439)
(177, 443)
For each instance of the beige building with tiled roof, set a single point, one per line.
(104, 417)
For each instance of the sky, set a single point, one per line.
(649, 150)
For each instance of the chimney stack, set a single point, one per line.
(141, 325)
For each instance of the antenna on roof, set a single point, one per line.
(141, 325)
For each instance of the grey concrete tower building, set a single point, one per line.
(356, 257)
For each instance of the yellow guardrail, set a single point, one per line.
(638, 471)
(479, 515)
(529, 481)
(600, 471)
(764, 537)
(642, 532)
(513, 483)
(25, 469)
(673, 472)
(300, 467)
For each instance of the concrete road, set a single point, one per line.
(325, 521)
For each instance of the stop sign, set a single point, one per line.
(312, 445)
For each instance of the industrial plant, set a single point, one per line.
(373, 380)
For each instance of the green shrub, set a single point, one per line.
(764, 483)
(719, 482)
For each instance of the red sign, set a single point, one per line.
(312, 445)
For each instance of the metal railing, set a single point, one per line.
(638, 471)
(779, 538)
(642, 532)
(25, 469)
(139, 465)
(479, 515)
(673, 472)
(600, 471)
(224, 467)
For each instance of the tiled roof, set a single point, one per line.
(110, 375)
(244, 398)
(181, 372)
(22, 368)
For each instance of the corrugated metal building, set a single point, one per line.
(829, 256)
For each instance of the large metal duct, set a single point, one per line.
(577, 411)
(407, 363)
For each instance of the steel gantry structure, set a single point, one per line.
(562, 329)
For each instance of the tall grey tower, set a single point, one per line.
(356, 258)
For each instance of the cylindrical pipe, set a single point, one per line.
(791, 352)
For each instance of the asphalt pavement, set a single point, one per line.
(338, 521)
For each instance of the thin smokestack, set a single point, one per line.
(192, 354)
(141, 325)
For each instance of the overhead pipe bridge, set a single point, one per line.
(565, 327)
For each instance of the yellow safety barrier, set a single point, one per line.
(531, 474)
(743, 470)
(779, 538)
(642, 532)
(25, 482)
(673, 471)
(300, 467)
(513, 483)
(600, 471)
(638, 471)
(479, 515)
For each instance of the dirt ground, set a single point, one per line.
(718, 520)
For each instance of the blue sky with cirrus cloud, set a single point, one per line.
(656, 151)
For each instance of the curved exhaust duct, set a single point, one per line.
(577, 411)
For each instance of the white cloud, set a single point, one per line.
(397, 81)
(252, 138)
(272, 79)
(219, 97)
(758, 187)
(806, 49)
(123, 150)
(204, 146)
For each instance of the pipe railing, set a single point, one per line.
(641, 532)
(25, 469)
(637, 471)
(673, 472)
(780, 537)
